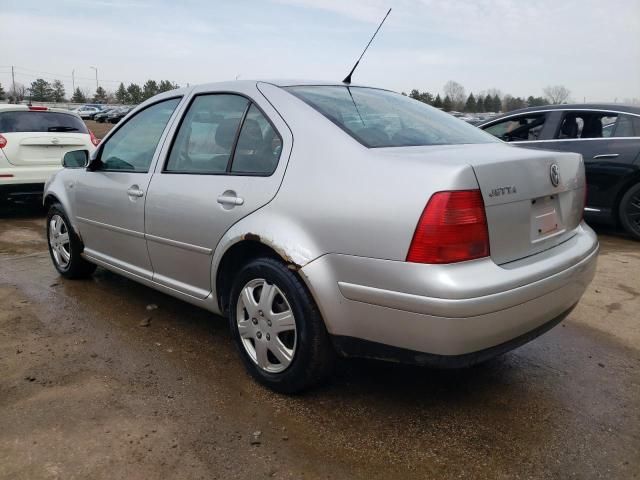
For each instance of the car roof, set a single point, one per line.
(10, 107)
(615, 107)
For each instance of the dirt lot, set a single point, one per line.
(87, 392)
(99, 129)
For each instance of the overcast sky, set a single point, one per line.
(519, 47)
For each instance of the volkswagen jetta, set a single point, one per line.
(327, 219)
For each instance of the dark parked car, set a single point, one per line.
(607, 136)
(118, 114)
(101, 117)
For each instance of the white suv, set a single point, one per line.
(33, 141)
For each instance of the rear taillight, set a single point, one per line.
(452, 228)
(3, 142)
(38, 109)
(94, 140)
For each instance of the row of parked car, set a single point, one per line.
(102, 113)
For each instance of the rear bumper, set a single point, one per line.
(21, 190)
(451, 310)
(13, 176)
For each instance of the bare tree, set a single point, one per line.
(456, 93)
(556, 94)
(17, 93)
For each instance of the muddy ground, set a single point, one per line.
(87, 392)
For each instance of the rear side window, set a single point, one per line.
(259, 145)
(225, 133)
(34, 121)
(628, 126)
(518, 129)
(379, 118)
(206, 138)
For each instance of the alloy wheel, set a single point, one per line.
(59, 241)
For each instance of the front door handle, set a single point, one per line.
(606, 155)
(134, 191)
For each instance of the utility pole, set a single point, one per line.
(96, 76)
(73, 81)
(13, 80)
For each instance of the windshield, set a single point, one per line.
(379, 118)
(29, 121)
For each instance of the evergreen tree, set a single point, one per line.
(480, 105)
(121, 94)
(78, 96)
(41, 90)
(497, 104)
(447, 104)
(426, 97)
(135, 93)
(488, 103)
(149, 89)
(57, 91)
(100, 95)
(470, 105)
(437, 102)
(166, 85)
(415, 94)
(2, 94)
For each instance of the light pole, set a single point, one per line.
(96, 76)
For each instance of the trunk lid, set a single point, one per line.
(40, 149)
(526, 213)
(534, 199)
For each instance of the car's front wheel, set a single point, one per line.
(277, 327)
(65, 246)
(630, 211)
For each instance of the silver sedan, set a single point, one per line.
(325, 219)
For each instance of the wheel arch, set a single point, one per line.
(628, 183)
(239, 254)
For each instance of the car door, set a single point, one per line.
(109, 201)
(609, 151)
(226, 160)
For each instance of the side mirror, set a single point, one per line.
(76, 159)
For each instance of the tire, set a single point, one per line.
(65, 255)
(303, 356)
(629, 211)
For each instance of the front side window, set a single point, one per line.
(518, 129)
(379, 118)
(132, 146)
(35, 121)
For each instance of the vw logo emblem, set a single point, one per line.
(555, 175)
(55, 141)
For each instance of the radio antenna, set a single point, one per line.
(347, 79)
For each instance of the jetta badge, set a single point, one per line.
(555, 174)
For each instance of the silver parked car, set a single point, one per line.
(327, 218)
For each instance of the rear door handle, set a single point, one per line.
(230, 200)
(134, 191)
(606, 155)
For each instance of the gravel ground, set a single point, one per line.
(88, 391)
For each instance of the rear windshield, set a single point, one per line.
(30, 121)
(379, 118)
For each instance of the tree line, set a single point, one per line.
(44, 91)
(492, 100)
